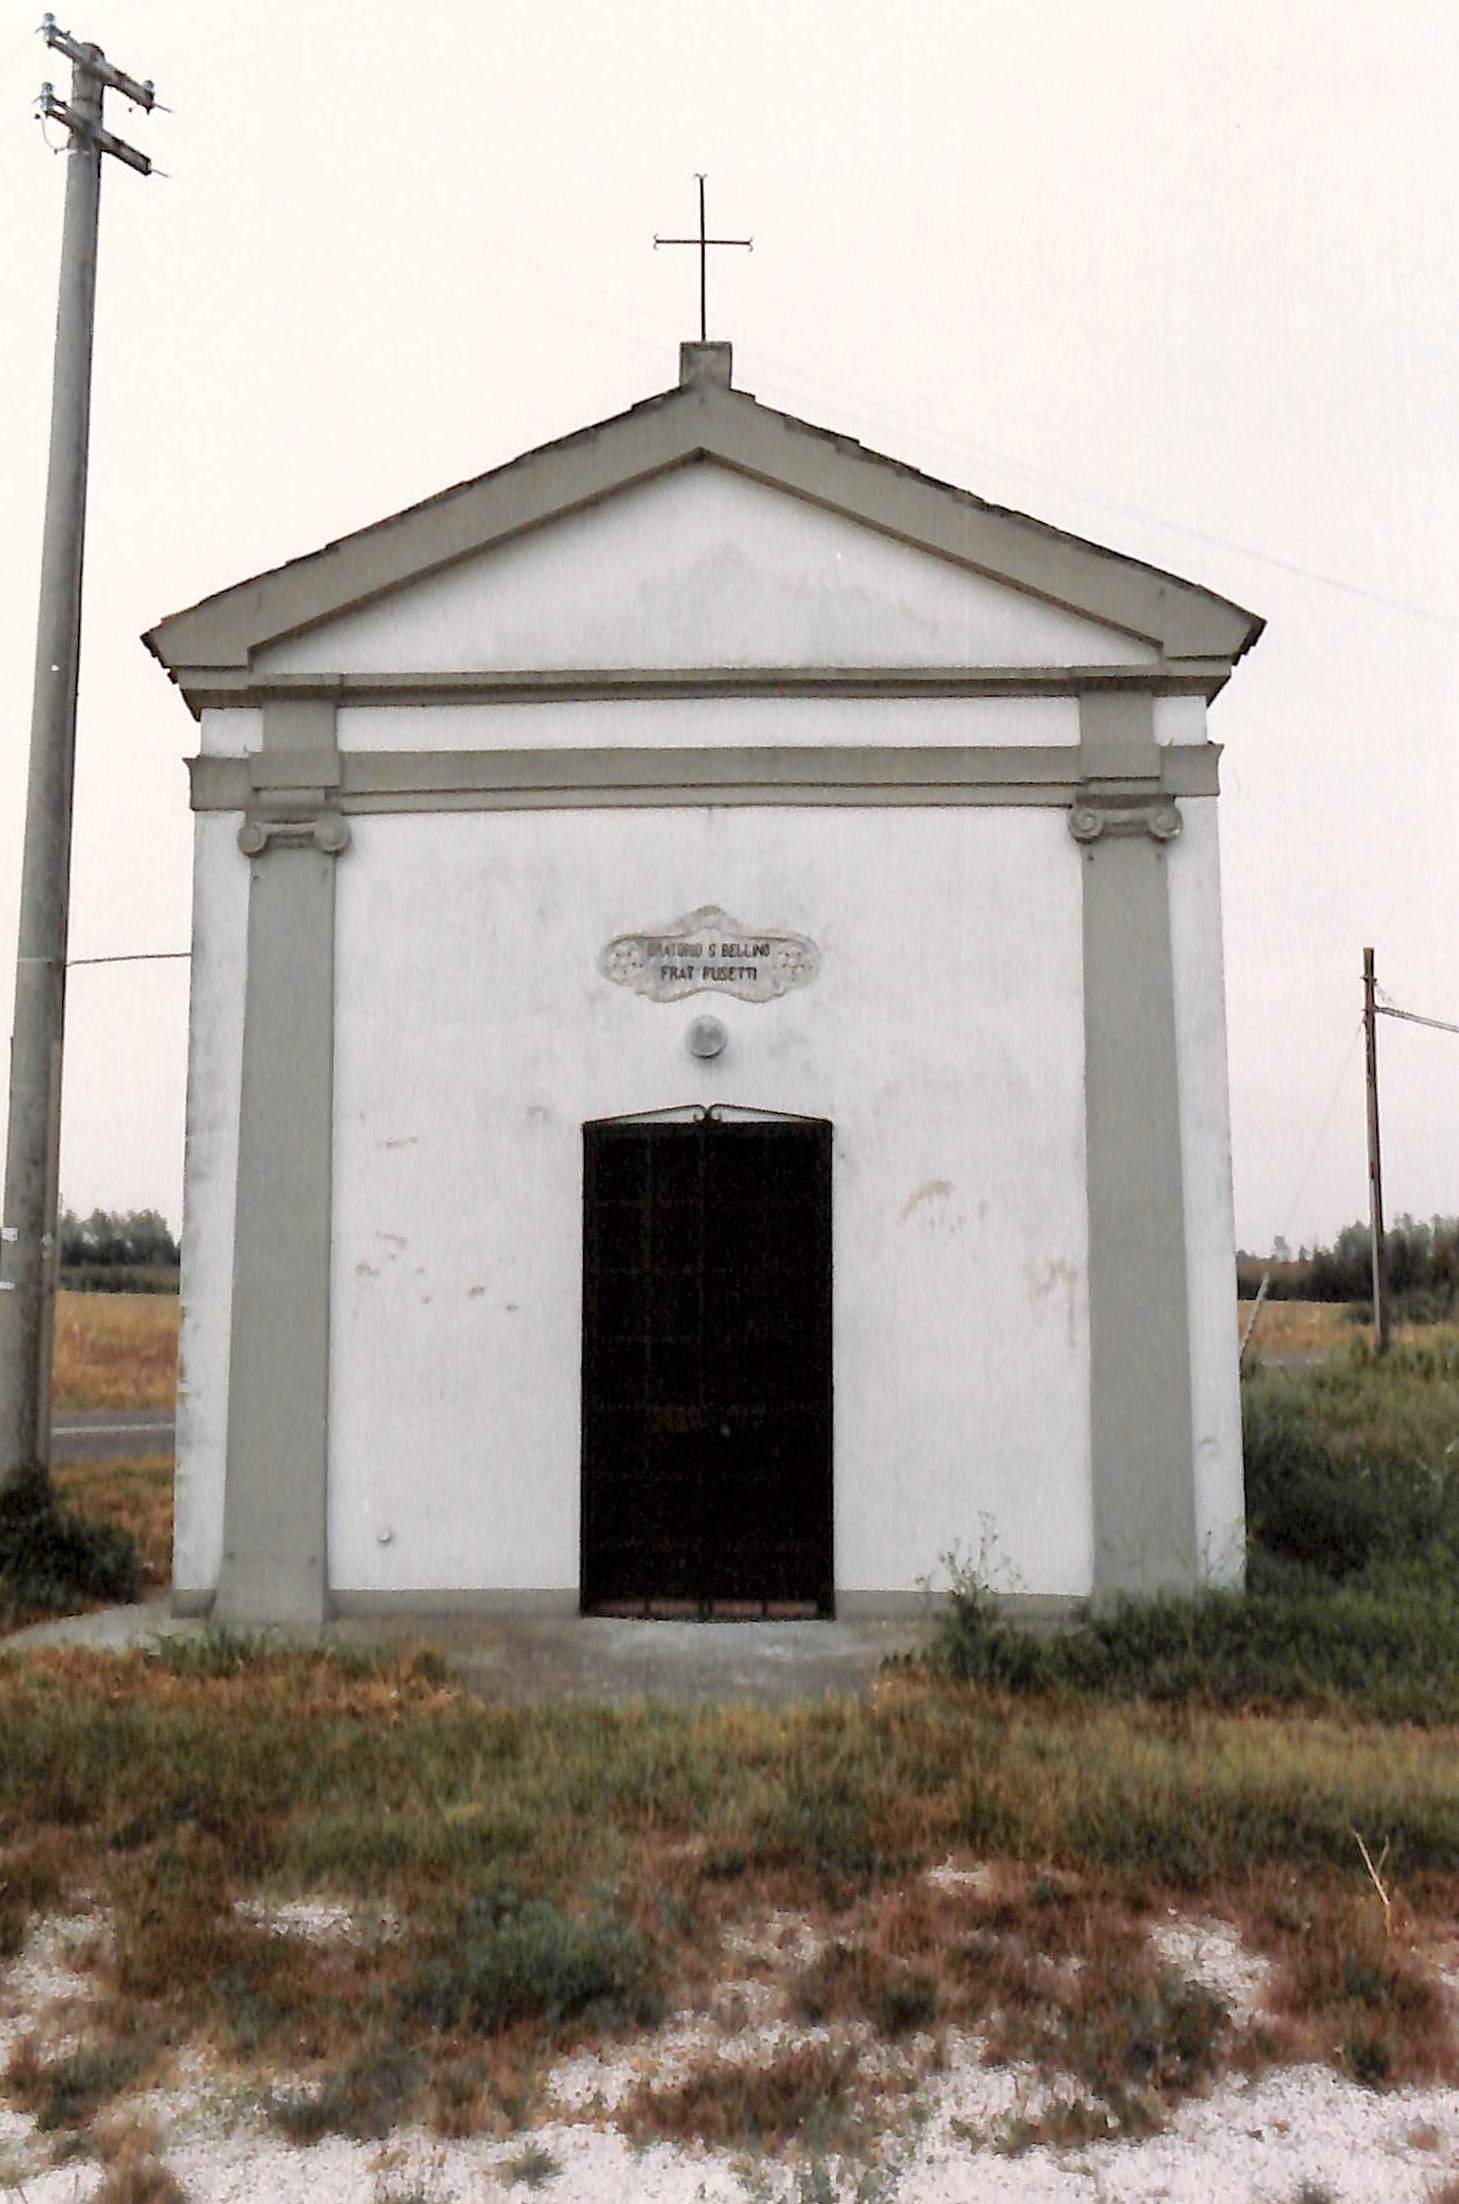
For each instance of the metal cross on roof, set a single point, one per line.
(704, 243)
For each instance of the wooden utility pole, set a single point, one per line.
(1381, 1318)
(32, 1151)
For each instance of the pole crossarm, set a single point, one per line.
(56, 110)
(94, 63)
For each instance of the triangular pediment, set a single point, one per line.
(700, 529)
(700, 566)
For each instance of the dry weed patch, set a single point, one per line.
(115, 1350)
(815, 2094)
(67, 2089)
(136, 2175)
(1353, 1988)
(32, 1881)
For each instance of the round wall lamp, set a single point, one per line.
(706, 1038)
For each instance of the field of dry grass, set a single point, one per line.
(115, 1350)
(1292, 1327)
(119, 1350)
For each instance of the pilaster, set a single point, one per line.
(1125, 823)
(275, 1562)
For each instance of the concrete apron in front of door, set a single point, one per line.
(519, 1661)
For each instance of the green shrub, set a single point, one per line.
(366, 2098)
(1388, 1647)
(50, 1557)
(513, 1960)
(1350, 1467)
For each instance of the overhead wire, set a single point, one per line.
(303, 16)
(801, 378)
(135, 956)
(333, 19)
(1412, 1017)
(307, 16)
(1303, 1183)
(417, 261)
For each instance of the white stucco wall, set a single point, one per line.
(214, 1084)
(1205, 1127)
(943, 1037)
(714, 723)
(474, 1035)
(230, 734)
(1180, 719)
(702, 567)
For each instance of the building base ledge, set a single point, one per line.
(1035, 1611)
(458, 1600)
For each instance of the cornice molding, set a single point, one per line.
(262, 786)
(702, 421)
(240, 688)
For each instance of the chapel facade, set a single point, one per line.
(707, 1078)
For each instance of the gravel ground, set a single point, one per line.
(1296, 2134)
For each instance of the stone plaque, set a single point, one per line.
(709, 950)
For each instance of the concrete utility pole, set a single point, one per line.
(1381, 1319)
(32, 1152)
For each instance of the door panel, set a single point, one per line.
(707, 1366)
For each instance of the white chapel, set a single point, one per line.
(707, 1081)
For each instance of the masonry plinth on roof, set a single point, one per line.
(502, 1286)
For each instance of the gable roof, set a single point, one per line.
(704, 418)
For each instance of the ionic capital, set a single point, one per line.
(327, 831)
(1094, 818)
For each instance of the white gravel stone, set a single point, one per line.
(979, 1880)
(775, 1940)
(1249, 2142)
(322, 1920)
(1212, 1954)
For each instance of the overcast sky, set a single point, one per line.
(1180, 278)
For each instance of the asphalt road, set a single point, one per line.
(109, 1434)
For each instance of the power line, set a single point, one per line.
(800, 378)
(1411, 1017)
(137, 956)
(1316, 1150)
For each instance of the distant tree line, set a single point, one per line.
(1423, 1269)
(118, 1251)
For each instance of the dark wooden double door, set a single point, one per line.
(707, 1366)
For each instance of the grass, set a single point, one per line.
(567, 1873)
(115, 1350)
(531, 2168)
(504, 1959)
(136, 2175)
(68, 2090)
(136, 1496)
(562, 1873)
(1352, 1475)
(53, 1560)
(807, 2094)
(119, 1350)
(1321, 1327)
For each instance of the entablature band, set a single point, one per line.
(262, 784)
